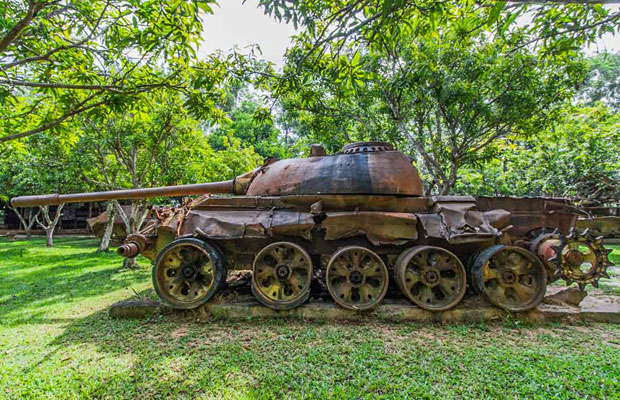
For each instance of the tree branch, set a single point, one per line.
(13, 82)
(51, 124)
(33, 10)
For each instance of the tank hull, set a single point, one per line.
(465, 225)
(477, 236)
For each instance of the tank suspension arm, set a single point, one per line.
(166, 191)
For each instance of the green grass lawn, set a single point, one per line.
(57, 341)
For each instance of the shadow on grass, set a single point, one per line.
(171, 355)
(36, 279)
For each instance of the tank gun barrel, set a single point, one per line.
(166, 191)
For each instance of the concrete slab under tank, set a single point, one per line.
(595, 307)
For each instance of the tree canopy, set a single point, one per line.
(578, 157)
(62, 58)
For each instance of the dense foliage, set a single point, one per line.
(603, 81)
(64, 58)
(578, 158)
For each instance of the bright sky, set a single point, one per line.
(235, 23)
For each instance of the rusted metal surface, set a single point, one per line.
(237, 224)
(378, 227)
(329, 203)
(581, 258)
(528, 214)
(187, 272)
(364, 147)
(512, 278)
(281, 275)
(357, 278)
(602, 221)
(355, 173)
(98, 224)
(431, 277)
(225, 222)
(578, 257)
(543, 246)
(128, 250)
(457, 220)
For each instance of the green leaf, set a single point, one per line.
(496, 11)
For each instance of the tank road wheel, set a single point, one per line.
(431, 277)
(511, 277)
(281, 275)
(188, 273)
(357, 278)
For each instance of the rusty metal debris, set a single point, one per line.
(601, 221)
(576, 258)
(351, 222)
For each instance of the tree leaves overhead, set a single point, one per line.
(330, 25)
(603, 82)
(61, 58)
(152, 142)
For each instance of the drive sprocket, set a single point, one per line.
(580, 258)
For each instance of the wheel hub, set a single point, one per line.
(356, 278)
(282, 271)
(189, 272)
(509, 277)
(574, 258)
(431, 277)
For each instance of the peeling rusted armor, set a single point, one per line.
(603, 221)
(351, 222)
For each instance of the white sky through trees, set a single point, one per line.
(236, 24)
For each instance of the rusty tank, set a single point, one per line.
(356, 225)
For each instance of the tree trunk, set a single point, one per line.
(28, 225)
(104, 246)
(130, 263)
(432, 166)
(133, 222)
(50, 224)
(49, 237)
(27, 222)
